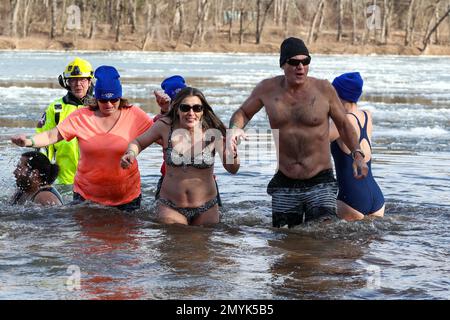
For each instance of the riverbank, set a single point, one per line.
(326, 45)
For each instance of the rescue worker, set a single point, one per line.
(77, 79)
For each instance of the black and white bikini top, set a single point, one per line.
(203, 160)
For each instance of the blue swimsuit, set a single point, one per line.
(363, 195)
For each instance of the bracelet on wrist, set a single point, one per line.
(32, 141)
(358, 151)
(132, 151)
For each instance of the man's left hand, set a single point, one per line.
(360, 168)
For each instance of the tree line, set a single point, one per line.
(196, 22)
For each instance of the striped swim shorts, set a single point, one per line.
(298, 201)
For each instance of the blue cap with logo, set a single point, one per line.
(108, 85)
(173, 85)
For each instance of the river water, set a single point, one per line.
(90, 252)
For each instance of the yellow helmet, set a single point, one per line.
(78, 68)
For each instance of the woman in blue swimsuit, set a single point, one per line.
(191, 134)
(356, 198)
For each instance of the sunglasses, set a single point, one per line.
(296, 62)
(186, 108)
(110, 100)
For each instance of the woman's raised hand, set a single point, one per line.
(20, 140)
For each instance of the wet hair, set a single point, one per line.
(47, 170)
(209, 120)
(93, 104)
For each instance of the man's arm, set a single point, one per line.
(347, 132)
(249, 108)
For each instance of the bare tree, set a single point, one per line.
(26, 24)
(133, 9)
(448, 27)
(387, 13)
(241, 23)
(314, 20)
(322, 17)
(230, 23)
(93, 27)
(15, 5)
(340, 7)
(201, 13)
(286, 10)
(242, 17)
(148, 22)
(354, 8)
(408, 31)
(427, 37)
(362, 11)
(119, 8)
(232, 20)
(54, 13)
(436, 17)
(63, 17)
(110, 14)
(279, 11)
(261, 14)
(177, 20)
(203, 24)
(218, 8)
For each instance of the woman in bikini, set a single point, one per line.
(191, 135)
(34, 177)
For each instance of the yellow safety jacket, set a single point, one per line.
(64, 153)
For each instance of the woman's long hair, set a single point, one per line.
(209, 119)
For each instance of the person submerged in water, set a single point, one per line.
(34, 177)
(356, 198)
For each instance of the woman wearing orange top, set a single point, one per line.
(103, 130)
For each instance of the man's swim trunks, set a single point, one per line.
(298, 201)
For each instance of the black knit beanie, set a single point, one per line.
(292, 47)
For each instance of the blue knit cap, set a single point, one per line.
(349, 86)
(173, 85)
(108, 84)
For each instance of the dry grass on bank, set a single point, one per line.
(326, 44)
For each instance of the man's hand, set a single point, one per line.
(360, 168)
(234, 137)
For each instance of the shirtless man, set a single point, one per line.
(299, 107)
